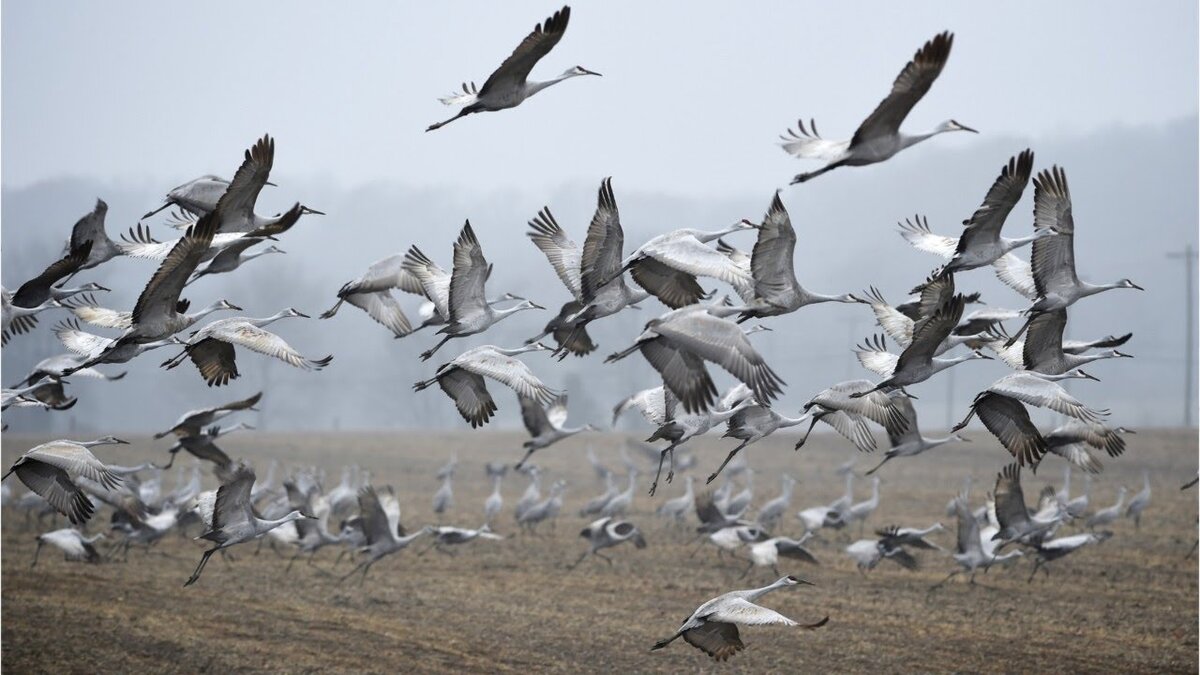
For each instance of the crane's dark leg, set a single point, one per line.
(426, 355)
(36, 551)
(200, 568)
(806, 433)
(732, 453)
(661, 458)
(943, 581)
(438, 125)
(746, 572)
(352, 572)
(521, 463)
(581, 559)
(332, 310)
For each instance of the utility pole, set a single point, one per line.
(1189, 355)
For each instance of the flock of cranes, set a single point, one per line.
(219, 227)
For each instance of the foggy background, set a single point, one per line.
(124, 102)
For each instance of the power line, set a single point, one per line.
(1189, 355)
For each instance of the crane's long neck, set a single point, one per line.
(637, 295)
(1076, 360)
(940, 364)
(501, 313)
(759, 592)
(709, 236)
(203, 312)
(811, 298)
(266, 321)
(266, 524)
(1006, 556)
(1086, 289)
(518, 350)
(404, 541)
(934, 442)
(785, 422)
(907, 141)
(1018, 242)
(532, 88)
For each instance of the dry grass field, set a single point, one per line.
(1128, 605)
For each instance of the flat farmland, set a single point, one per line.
(1126, 605)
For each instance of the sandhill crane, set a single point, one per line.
(434, 285)
(233, 518)
(1012, 516)
(739, 504)
(233, 256)
(980, 243)
(776, 290)
(1139, 502)
(667, 265)
(45, 286)
(620, 503)
(508, 86)
(917, 362)
(593, 274)
(466, 308)
(546, 424)
(1109, 515)
(74, 545)
(899, 326)
(593, 505)
(53, 470)
(532, 494)
(443, 499)
(454, 536)
(606, 533)
(767, 553)
(95, 348)
(1045, 351)
(197, 196)
(371, 292)
(90, 228)
(912, 536)
(381, 538)
(858, 512)
(879, 138)
(910, 442)
(678, 342)
(202, 446)
(236, 205)
(679, 428)
(545, 510)
(738, 533)
(866, 554)
(678, 507)
(56, 367)
(1001, 409)
(1053, 259)
(462, 380)
(16, 320)
(774, 509)
(969, 551)
(1077, 507)
(751, 424)
(158, 313)
(494, 502)
(191, 423)
(49, 394)
(1072, 440)
(838, 407)
(212, 347)
(712, 628)
(1057, 548)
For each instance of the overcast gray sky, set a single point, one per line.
(124, 100)
(694, 93)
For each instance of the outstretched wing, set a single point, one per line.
(515, 69)
(913, 82)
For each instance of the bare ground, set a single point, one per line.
(1127, 605)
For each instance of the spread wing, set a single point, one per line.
(717, 639)
(1053, 258)
(772, 260)
(1009, 422)
(930, 333)
(913, 82)
(603, 249)
(917, 233)
(723, 342)
(470, 395)
(469, 276)
(384, 309)
(1017, 274)
(159, 297)
(512, 373)
(434, 280)
(983, 227)
(215, 359)
(683, 373)
(91, 226)
(78, 341)
(673, 288)
(37, 290)
(55, 486)
(515, 69)
(237, 203)
(563, 253)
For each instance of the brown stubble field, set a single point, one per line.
(1128, 605)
